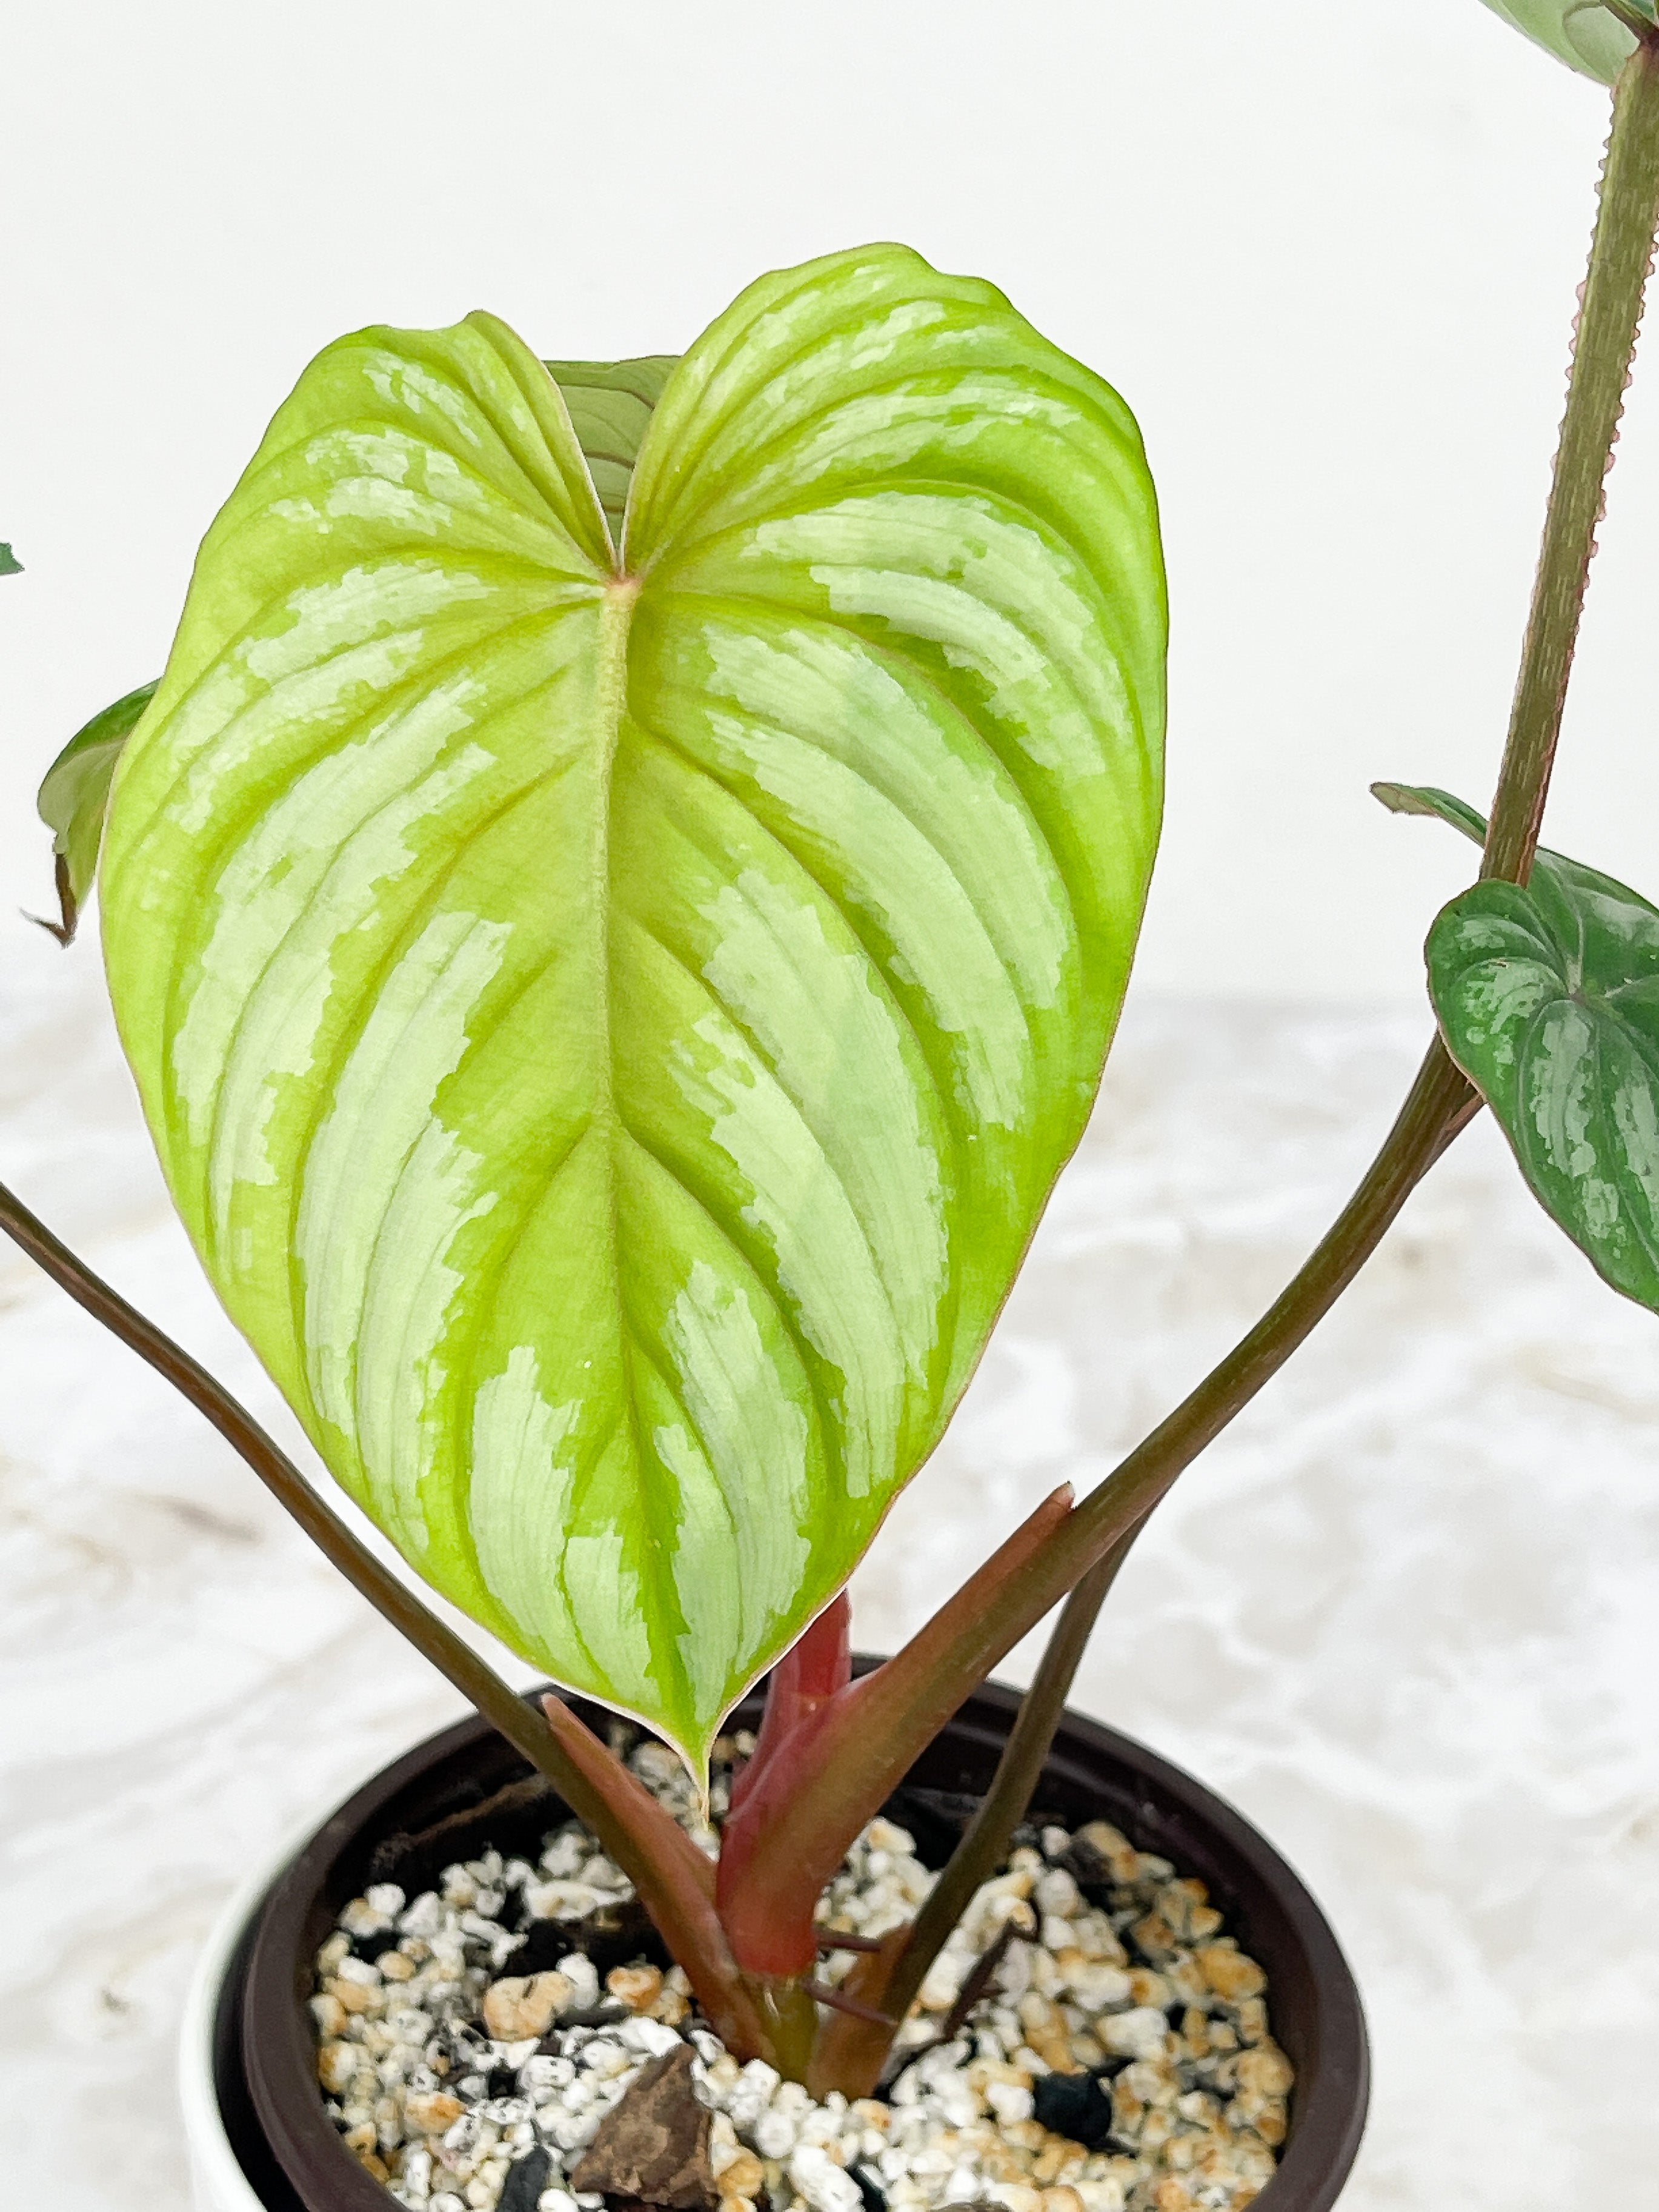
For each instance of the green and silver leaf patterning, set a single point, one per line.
(609, 403)
(1548, 999)
(612, 1020)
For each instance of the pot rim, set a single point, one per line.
(1328, 2107)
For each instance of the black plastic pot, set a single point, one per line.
(265, 2054)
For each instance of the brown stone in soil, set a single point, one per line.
(654, 2146)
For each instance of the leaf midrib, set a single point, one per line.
(617, 606)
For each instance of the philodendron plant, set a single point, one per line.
(616, 908)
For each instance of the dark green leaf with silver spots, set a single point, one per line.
(1548, 999)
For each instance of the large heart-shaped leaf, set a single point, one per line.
(611, 1026)
(1548, 999)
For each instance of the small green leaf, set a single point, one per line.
(611, 403)
(1583, 33)
(74, 796)
(9, 564)
(611, 1027)
(1425, 798)
(1548, 999)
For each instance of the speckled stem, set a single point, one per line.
(1621, 252)
(1085, 1553)
(1441, 1104)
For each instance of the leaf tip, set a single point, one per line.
(1398, 798)
(1425, 799)
(67, 905)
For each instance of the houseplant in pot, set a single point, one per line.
(300, 1216)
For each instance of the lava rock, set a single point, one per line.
(1088, 1869)
(654, 2144)
(938, 1819)
(869, 2189)
(609, 2014)
(526, 2182)
(616, 1937)
(1076, 2105)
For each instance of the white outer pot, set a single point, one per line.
(218, 2183)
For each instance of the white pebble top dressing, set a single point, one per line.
(447, 2072)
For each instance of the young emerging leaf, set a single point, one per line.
(1586, 35)
(1548, 999)
(611, 1027)
(611, 403)
(73, 799)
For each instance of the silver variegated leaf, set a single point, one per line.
(611, 1019)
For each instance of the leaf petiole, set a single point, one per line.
(1627, 215)
(1639, 25)
(666, 1886)
(1442, 1102)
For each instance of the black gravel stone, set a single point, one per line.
(526, 2181)
(1088, 1869)
(875, 2197)
(1076, 2105)
(545, 1942)
(936, 1818)
(620, 1937)
(599, 2016)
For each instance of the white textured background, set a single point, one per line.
(1406, 1616)
(1326, 248)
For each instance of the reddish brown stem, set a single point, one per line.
(825, 1993)
(792, 1829)
(571, 1758)
(817, 1666)
(675, 1882)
